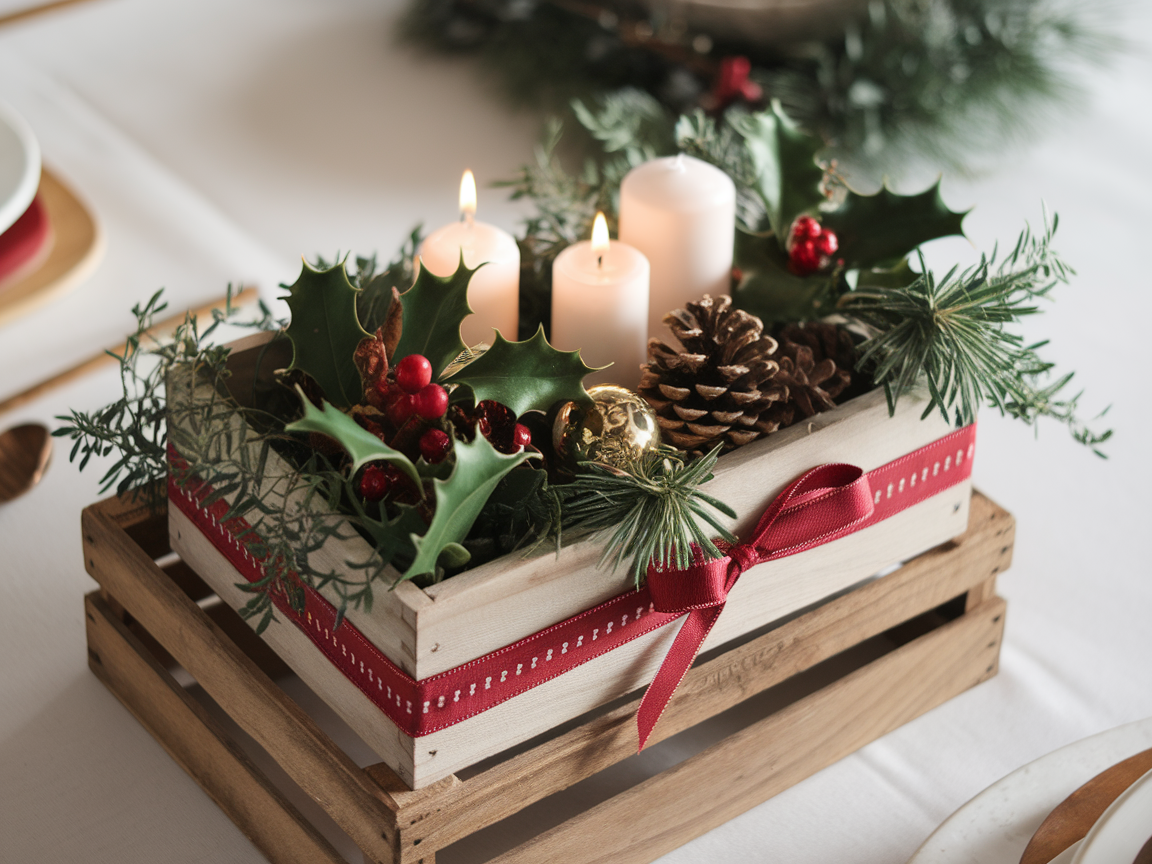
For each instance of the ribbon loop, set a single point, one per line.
(820, 505)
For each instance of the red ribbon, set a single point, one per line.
(823, 504)
(815, 509)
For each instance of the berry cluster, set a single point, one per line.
(411, 402)
(810, 246)
(380, 478)
(413, 392)
(497, 423)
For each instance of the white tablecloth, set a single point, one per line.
(219, 141)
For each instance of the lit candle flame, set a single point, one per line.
(468, 195)
(600, 238)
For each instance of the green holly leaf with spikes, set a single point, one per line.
(526, 376)
(880, 228)
(325, 332)
(433, 309)
(459, 500)
(788, 178)
(362, 445)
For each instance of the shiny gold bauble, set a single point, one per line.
(616, 429)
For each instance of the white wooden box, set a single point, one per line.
(431, 630)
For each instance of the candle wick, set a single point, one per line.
(468, 218)
(599, 261)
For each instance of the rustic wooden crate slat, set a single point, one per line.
(258, 706)
(392, 823)
(761, 760)
(195, 740)
(963, 565)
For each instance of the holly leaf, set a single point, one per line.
(433, 309)
(526, 376)
(459, 500)
(361, 445)
(788, 177)
(772, 292)
(876, 229)
(325, 332)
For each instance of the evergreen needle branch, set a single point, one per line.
(651, 513)
(228, 450)
(135, 425)
(952, 334)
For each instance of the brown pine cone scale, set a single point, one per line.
(816, 360)
(715, 387)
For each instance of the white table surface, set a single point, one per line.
(219, 141)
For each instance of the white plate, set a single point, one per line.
(996, 825)
(1120, 834)
(19, 166)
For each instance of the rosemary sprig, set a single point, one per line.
(651, 512)
(951, 333)
(135, 425)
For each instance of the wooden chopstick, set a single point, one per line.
(21, 14)
(158, 331)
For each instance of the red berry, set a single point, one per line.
(827, 243)
(434, 445)
(521, 436)
(401, 409)
(805, 228)
(374, 482)
(413, 373)
(431, 402)
(805, 258)
(497, 423)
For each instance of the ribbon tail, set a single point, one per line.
(675, 666)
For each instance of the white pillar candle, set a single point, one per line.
(681, 213)
(494, 292)
(600, 306)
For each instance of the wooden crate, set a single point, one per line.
(930, 630)
(428, 631)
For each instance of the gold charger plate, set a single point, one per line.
(77, 248)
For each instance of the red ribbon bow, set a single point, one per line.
(821, 505)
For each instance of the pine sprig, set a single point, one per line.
(651, 513)
(135, 425)
(210, 435)
(951, 333)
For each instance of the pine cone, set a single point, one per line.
(816, 360)
(715, 388)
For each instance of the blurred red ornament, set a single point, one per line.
(732, 82)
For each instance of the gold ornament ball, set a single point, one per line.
(616, 429)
